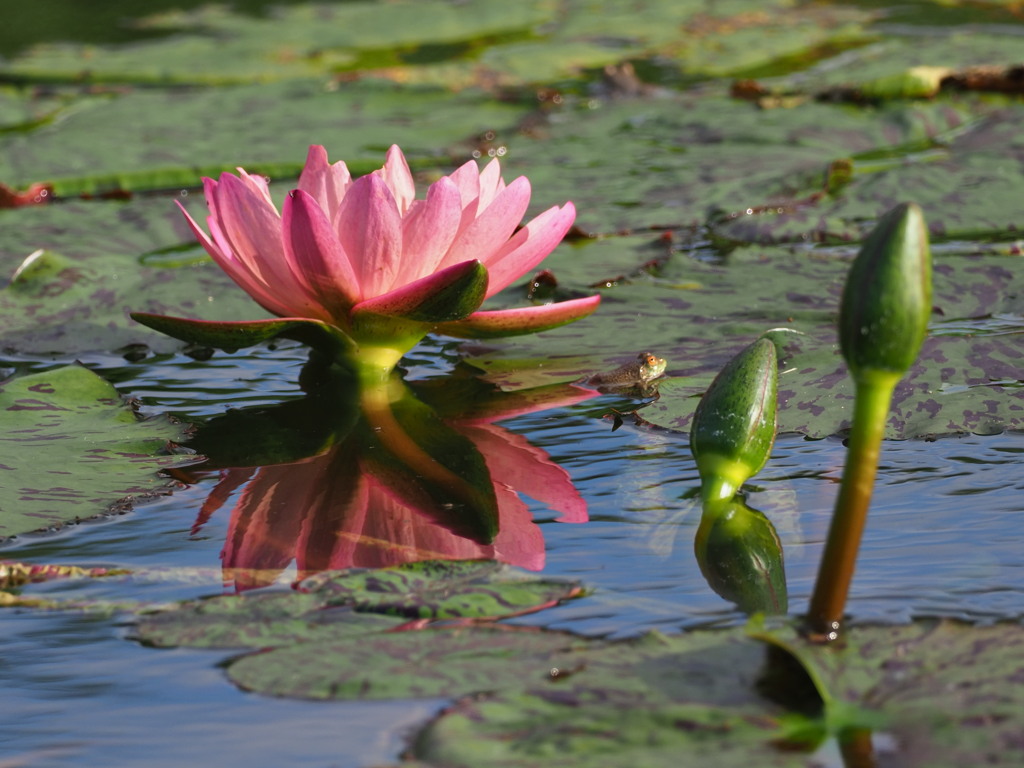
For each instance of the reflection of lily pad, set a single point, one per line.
(72, 450)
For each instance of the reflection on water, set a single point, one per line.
(376, 478)
(942, 539)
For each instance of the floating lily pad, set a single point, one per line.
(698, 314)
(433, 41)
(442, 590)
(213, 45)
(757, 175)
(61, 305)
(889, 67)
(71, 449)
(334, 605)
(403, 664)
(942, 688)
(259, 620)
(936, 691)
(156, 139)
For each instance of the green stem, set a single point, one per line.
(873, 396)
(723, 477)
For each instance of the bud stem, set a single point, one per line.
(874, 390)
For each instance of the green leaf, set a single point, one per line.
(404, 664)
(697, 315)
(66, 305)
(71, 449)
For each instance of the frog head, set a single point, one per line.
(650, 366)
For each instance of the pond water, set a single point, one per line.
(941, 541)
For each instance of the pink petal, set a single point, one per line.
(235, 269)
(429, 229)
(315, 255)
(467, 178)
(370, 230)
(399, 179)
(258, 185)
(324, 182)
(492, 226)
(527, 469)
(528, 247)
(513, 322)
(251, 224)
(491, 184)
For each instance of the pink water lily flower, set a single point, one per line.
(378, 266)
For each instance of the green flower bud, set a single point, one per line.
(887, 300)
(734, 425)
(740, 555)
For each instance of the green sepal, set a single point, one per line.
(451, 294)
(231, 336)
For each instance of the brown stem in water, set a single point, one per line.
(871, 408)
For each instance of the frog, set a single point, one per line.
(633, 377)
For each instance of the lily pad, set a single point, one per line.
(697, 314)
(435, 42)
(937, 691)
(944, 689)
(167, 139)
(685, 40)
(889, 67)
(335, 605)
(259, 620)
(56, 304)
(71, 449)
(442, 589)
(757, 175)
(214, 45)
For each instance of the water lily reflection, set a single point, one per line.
(740, 555)
(383, 478)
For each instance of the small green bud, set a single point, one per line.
(740, 555)
(734, 425)
(883, 318)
